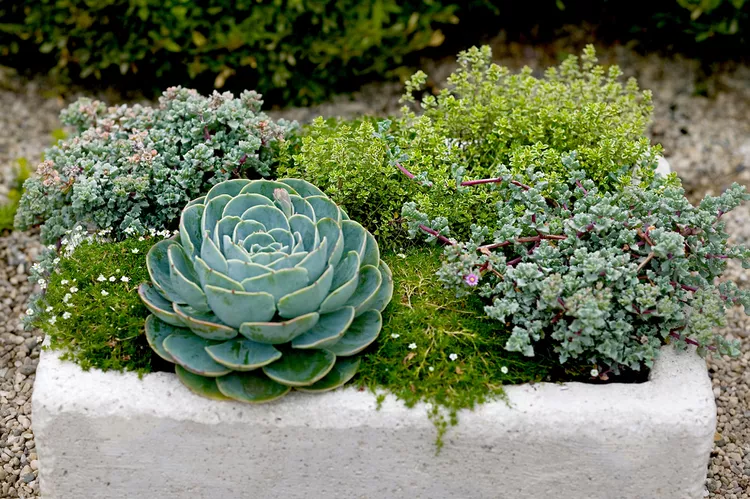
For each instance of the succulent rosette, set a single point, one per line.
(269, 286)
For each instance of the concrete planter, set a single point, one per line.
(114, 436)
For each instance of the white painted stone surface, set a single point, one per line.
(114, 436)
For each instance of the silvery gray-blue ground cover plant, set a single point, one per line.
(606, 277)
(131, 168)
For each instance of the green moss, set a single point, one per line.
(105, 326)
(424, 314)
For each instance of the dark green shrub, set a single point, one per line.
(298, 48)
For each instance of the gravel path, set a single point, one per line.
(705, 131)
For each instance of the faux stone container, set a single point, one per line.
(115, 436)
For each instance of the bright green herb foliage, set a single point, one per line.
(299, 49)
(607, 277)
(351, 164)
(104, 328)
(9, 208)
(485, 116)
(425, 325)
(130, 168)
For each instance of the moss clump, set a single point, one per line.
(91, 310)
(442, 350)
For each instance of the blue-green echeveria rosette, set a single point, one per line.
(269, 286)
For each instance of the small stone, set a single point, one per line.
(28, 477)
(34, 465)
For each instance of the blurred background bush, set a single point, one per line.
(300, 51)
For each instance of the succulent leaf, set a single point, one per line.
(156, 332)
(251, 387)
(276, 333)
(157, 304)
(301, 367)
(342, 372)
(363, 331)
(279, 264)
(204, 324)
(188, 351)
(241, 354)
(200, 385)
(328, 330)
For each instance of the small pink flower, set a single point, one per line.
(471, 279)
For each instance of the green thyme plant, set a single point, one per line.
(130, 168)
(484, 117)
(8, 208)
(609, 277)
(355, 164)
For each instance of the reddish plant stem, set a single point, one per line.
(687, 340)
(435, 233)
(405, 171)
(529, 239)
(580, 186)
(514, 262)
(469, 183)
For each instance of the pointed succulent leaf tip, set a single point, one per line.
(156, 332)
(270, 216)
(372, 252)
(200, 385)
(354, 238)
(301, 367)
(302, 207)
(158, 305)
(204, 324)
(343, 371)
(241, 354)
(325, 208)
(251, 387)
(316, 261)
(363, 331)
(157, 264)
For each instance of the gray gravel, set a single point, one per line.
(703, 124)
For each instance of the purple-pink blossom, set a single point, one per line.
(471, 279)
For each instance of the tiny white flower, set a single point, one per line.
(112, 279)
(412, 346)
(125, 278)
(42, 283)
(504, 370)
(64, 282)
(101, 278)
(29, 312)
(430, 368)
(66, 315)
(48, 309)
(73, 289)
(401, 255)
(453, 356)
(134, 250)
(104, 292)
(595, 373)
(56, 261)
(395, 335)
(141, 238)
(52, 320)
(67, 297)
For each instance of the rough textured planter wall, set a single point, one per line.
(113, 436)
